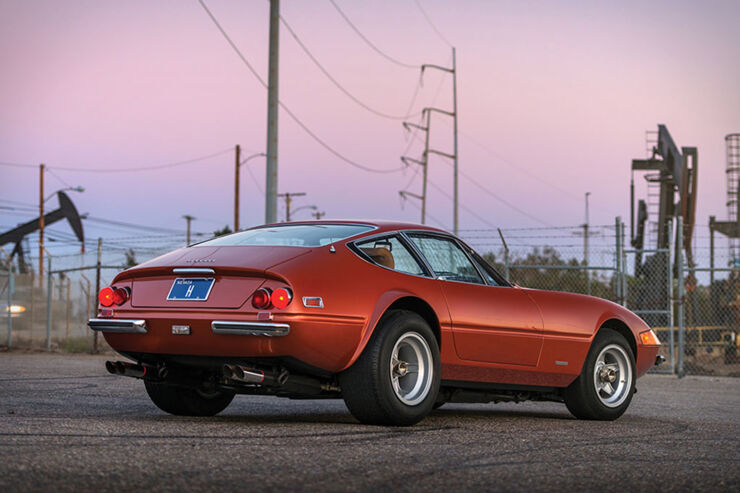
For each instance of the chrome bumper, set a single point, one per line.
(269, 329)
(117, 325)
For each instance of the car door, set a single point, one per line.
(490, 323)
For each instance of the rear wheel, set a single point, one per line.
(183, 401)
(396, 379)
(604, 389)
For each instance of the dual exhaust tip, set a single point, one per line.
(243, 374)
(125, 369)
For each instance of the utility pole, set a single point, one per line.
(188, 219)
(318, 215)
(271, 179)
(453, 114)
(97, 289)
(238, 164)
(454, 110)
(585, 248)
(236, 188)
(41, 226)
(288, 201)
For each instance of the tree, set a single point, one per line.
(130, 258)
(224, 231)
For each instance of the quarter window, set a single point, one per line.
(391, 253)
(446, 259)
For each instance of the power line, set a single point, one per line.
(286, 109)
(145, 168)
(462, 206)
(130, 225)
(431, 24)
(370, 43)
(119, 170)
(339, 86)
(501, 199)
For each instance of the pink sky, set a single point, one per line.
(561, 90)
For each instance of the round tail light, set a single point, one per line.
(105, 296)
(281, 297)
(261, 298)
(120, 296)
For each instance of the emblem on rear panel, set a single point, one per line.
(181, 330)
(200, 260)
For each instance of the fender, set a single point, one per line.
(385, 301)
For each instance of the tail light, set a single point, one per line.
(105, 296)
(261, 298)
(113, 296)
(281, 298)
(120, 296)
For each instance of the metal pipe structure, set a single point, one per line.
(41, 226)
(237, 160)
(271, 174)
(10, 303)
(680, 300)
(48, 308)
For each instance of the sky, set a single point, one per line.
(554, 101)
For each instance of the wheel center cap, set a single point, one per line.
(401, 368)
(608, 375)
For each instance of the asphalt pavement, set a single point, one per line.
(66, 425)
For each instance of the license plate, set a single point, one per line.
(188, 289)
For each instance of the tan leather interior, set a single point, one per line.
(381, 256)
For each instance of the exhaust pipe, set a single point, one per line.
(125, 369)
(254, 376)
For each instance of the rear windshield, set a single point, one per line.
(302, 235)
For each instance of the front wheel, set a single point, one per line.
(604, 389)
(183, 401)
(395, 380)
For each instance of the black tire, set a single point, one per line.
(367, 386)
(582, 398)
(182, 401)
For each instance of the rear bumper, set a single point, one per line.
(267, 329)
(118, 325)
(323, 341)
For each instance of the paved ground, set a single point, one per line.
(65, 424)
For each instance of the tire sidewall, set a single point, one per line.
(604, 338)
(390, 334)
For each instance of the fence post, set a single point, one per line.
(618, 273)
(506, 254)
(681, 294)
(49, 297)
(669, 294)
(97, 290)
(11, 285)
(624, 264)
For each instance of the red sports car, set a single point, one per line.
(396, 319)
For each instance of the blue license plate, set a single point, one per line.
(190, 289)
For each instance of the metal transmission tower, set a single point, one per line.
(731, 227)
(421, 162)
(732, 142)
(271, 178)
(453, 114)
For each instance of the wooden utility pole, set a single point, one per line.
(97, 289)
(189, 219)
(236, 188)
(288, 201)
(41, 226)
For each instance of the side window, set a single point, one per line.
(447, 260)
(390, 252)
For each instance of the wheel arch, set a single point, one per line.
(622, 328)
(421, 308)
(398, 300)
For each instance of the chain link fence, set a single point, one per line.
(696, 319)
